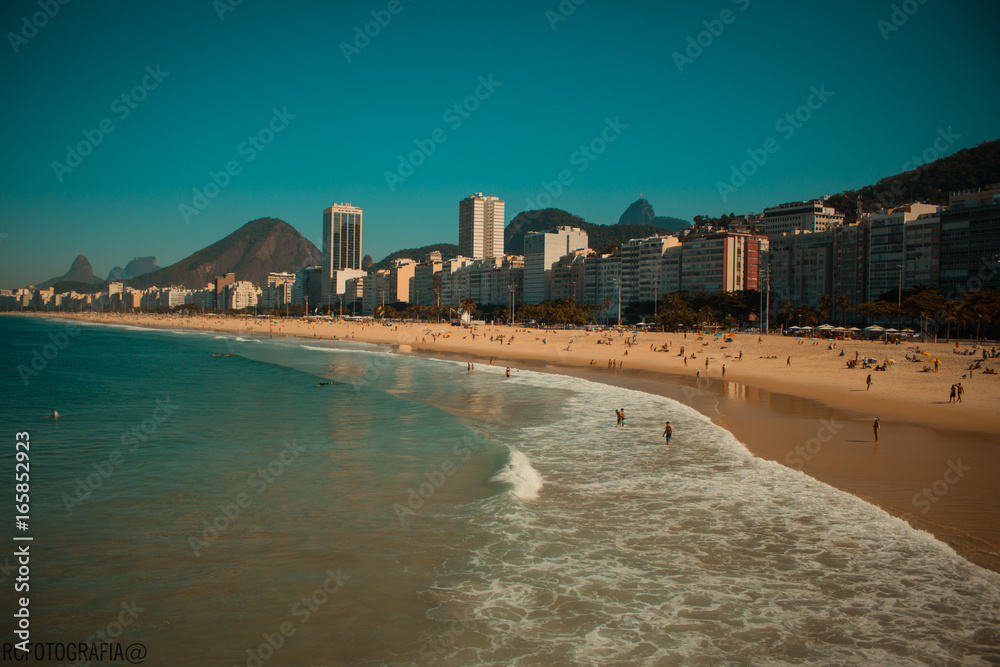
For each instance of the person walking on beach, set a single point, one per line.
(951, 399)
(875, 427)
(667, 432)
(961, 390)
(723, 370)
(868, 382)
(789, 362)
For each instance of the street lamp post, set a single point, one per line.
(899, 298)
(656, 296)
(619, 302)
(767, 326)
(512, 305)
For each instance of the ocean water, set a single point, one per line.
(227, 510)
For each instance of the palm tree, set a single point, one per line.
(469, 306)
(787, 310)
(843, 305)
(805, 312)
(825, 306)
(606, 304)
(954, 311)
(706, 315)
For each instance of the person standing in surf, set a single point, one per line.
(875, 427)
(618, 417)
(667, 432)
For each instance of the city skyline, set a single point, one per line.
(173, 144)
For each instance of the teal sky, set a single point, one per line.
(557, 82)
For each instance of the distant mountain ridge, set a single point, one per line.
(640, 212)
(254, 250)
(80, 271)
(137, 267)
(930, 183)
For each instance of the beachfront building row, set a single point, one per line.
(644, 270)
(954, 249)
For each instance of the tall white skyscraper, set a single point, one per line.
(541, 251)
(341, 246)
(480, 226)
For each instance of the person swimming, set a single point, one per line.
(55, 415)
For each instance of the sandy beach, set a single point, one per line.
(792, 401)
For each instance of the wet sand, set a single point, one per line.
(934, 465)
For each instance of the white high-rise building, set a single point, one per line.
(341, 244)
(542, 251)
(480, 226)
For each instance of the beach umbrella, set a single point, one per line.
(718, 334)
(854, 329)
(824, 327)
(838, 329)
(874, 327)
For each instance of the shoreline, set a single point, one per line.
(931, 468)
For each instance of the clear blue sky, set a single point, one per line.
(556, 89)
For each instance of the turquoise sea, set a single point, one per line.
(227, 510)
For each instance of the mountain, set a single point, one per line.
(251, 252)
(598, 236)
(447, 250)
(930, 183)
(80, 271)
(640, 212)
(139, 266)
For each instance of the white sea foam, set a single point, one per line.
(524, 480)
(696, 553)
(345, 347)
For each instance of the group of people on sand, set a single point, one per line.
(956, 393)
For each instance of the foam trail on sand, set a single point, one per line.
(519, 473)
